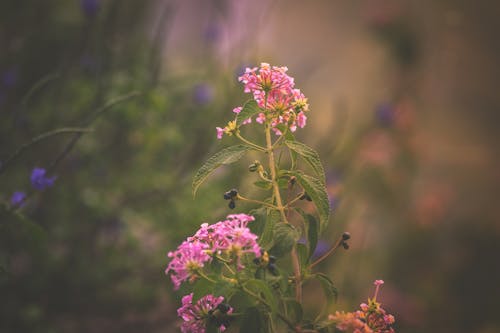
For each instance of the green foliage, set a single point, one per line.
(317, 191)
(226, 156)
(310, 156)
(285, 238)
(250, 108)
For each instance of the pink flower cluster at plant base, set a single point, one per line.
(195, 316)
(274, 92)
(231, 238)
(372, 318)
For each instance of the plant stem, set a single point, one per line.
(251, 144)
(256, 201)
(281, 208)
(324, 256)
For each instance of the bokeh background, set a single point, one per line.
(405, 114)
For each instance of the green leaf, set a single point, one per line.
(303, 254)
(295, 312)
(223, 288)
(252, 321)
(266, 239)
(317, 191)
(263, 184)
(285, 237)
(310, 156)
(225, 156)
(262, 289)
(312, 233)
(202, 288)
(329, 289)
(250, 108)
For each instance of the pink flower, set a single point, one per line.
(274, 92)
(220, 132)
(195, 316)
(186, 261)
(378, 282)
(231, 238)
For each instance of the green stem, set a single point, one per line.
(281, 316)
(256, 201)
(200, 273)
(281, 209)
(324, 256)
(251, 144)
(39, 138)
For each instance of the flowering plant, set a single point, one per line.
(250, 269)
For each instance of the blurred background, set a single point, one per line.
(404, 112)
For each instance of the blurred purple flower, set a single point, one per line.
(90, 7)
(39, 180)
(17, 198)
(203, 93)
(384, 114)
(321, 248)
(9, 77)
(211, 33)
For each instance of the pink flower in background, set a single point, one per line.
(196, 315)
(372, 318)
(220, 132)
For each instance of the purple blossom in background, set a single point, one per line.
(39, 180)
(384, 114)
(9, 77)
(90, 7)
(17, 198)
(211, 33)
(203, 93)
(321, 248)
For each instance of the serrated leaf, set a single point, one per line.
(266, 239)
(285, 237)
(250, 108)
(262, 289)
(225, 156)
(317, 191)
(329, 289)
(310, 156)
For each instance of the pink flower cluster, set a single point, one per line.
(230, 237)
(274, 92)
(195, 316)
(372, 318)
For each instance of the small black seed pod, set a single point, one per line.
(272, 269)
(232, 204)
(345, 245)
(223, 307)
(346, 236)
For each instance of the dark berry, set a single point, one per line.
(232, 204)
(346, 236)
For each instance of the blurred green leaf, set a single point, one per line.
(252, 321)
(329, 289)
(226, 156)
